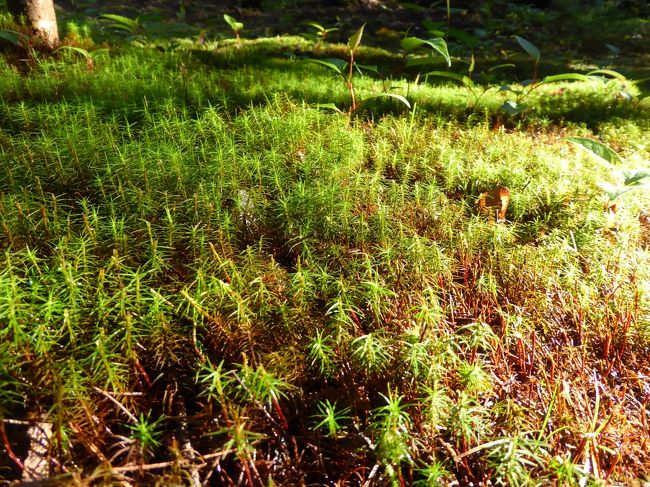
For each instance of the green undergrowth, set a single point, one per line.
(204, 274)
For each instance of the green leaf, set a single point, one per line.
(316, 26)
(608, 72)
(98, 53)
(566, 77)
(455, 76)
(355, 39)
(411, 43)
(12, 36)
(121, 23)
(335, 64)
(79, 50)
(529, 47)
(438, 44)
(367, 67)
(633, 177)
(419, 61)
(512, 108)
(390, 95)
(597, 149)
(612, 191)
(330, 106)
(233, 23)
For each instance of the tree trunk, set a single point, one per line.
(40, 17)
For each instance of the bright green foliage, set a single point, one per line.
(145, 433)
(346, 70)
(235, 26)
(331, 418)
(195, 258)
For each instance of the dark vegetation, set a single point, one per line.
(218, 269)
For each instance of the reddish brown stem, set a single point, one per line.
(7, 445)
(278, 410)
(350, 85)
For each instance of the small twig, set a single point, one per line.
(372, 474)
(156, 466)
(16, 421)
(118, 404)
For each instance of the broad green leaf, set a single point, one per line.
(233, 23)
(412, 43)
(330, 106)
(512, 90)
(512, 108)
(337, 65)
(455, 76)
(355, 39)
(118, 18)
(98, 53)
(366, 67)
(440, 45)
(529, 47)
(634, 177)
(612, 191)
(436, 33)
(390, 95)
(597, 149)
(122, 23)
(566, 77)
(12, 36)
(419, 61)
(316, 26)
(79, 50)
(608, 72)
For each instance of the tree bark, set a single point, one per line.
(40, 17)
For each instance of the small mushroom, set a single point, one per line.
(494, 203)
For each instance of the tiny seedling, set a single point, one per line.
(412, 45)
(89, 56)
(320, 33)
(346, 70)
(331, 418)
(630, 179)
(475, 91)
(516, 106)
(236, 27)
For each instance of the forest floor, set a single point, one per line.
(259, 261)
